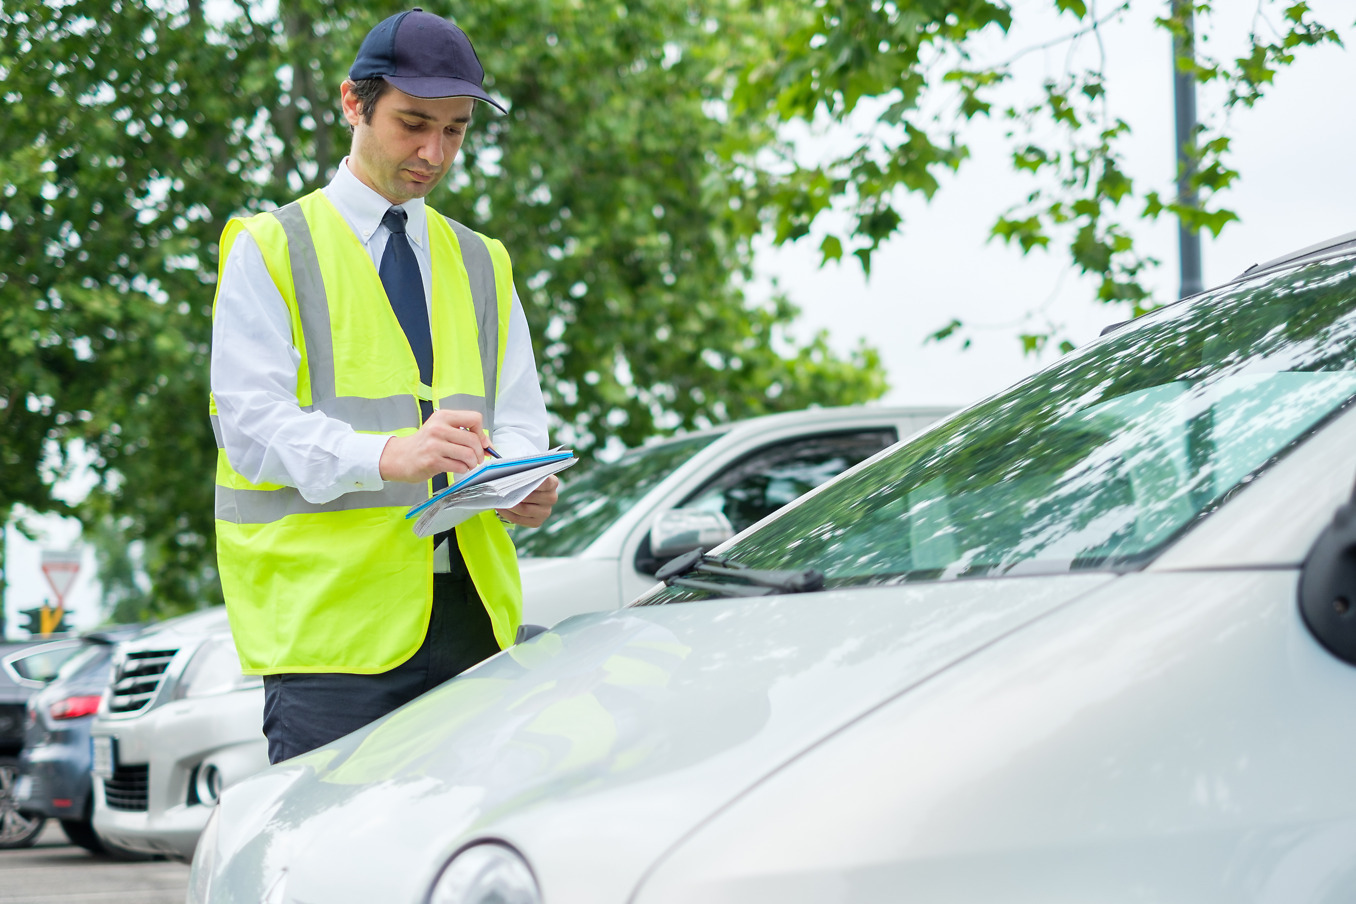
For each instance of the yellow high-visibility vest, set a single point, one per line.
(346, 586)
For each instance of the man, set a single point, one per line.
(364, 346)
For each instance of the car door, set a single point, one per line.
(761, 480)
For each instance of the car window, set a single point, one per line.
(1101, 459)
(766, 480)
(42, 663)
(595, 496)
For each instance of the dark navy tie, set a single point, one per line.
(399, 273)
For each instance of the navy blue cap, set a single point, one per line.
(423, 55)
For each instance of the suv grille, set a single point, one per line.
(127, 788)
(137, 680)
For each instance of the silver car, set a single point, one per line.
(1092, 639)
(178, 724)
(618, 522)
(182, 723)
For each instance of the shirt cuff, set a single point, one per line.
(364, 451)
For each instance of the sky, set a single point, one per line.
(1297, 188)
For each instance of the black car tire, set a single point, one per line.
(18, 828)
(81, 832)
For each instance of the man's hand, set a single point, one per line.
(450, 440)
(536, 508)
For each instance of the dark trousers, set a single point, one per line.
(306, 711)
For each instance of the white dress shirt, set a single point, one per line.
(268, 438)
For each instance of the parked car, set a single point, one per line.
(54, 779)
(159, 768)
(24, 669)
(179, 723)
(1091, 639)
(599, 549)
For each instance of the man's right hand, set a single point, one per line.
(450, 440)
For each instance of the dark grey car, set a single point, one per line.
(24, 666)
(55, 763)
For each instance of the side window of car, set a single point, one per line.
(767, 479)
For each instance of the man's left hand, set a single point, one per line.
(536, 508)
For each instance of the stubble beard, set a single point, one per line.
(384, 175)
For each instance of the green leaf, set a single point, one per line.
(831, 249)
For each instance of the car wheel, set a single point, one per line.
(81, 832)
(18, 828)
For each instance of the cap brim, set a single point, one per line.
(441, 87)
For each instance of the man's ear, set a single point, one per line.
(352, 107)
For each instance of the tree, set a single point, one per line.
(837, 62)
(130, 139)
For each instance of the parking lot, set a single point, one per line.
(56, 872)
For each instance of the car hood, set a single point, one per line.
(604, 741)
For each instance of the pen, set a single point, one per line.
(489, 450)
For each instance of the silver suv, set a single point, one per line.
(178, 723)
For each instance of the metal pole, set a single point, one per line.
(1184, 95)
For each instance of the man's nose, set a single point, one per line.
(432, 151)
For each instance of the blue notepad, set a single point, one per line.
(495, 468)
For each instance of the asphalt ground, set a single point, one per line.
(54, 871)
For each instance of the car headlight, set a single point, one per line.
(486, 873)
(214, 669)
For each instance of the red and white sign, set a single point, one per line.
(61, 567)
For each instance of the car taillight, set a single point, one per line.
(75, 707)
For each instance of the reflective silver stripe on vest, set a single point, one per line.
(372, 415)
(480, 269)
(369, 415)
(267, 506)
(465, 403)
(312, 304)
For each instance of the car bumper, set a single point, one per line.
(154, 801)
(55, 780)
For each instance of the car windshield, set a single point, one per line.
(594, 497)
(1096, 462)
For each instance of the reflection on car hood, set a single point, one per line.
(617, 732)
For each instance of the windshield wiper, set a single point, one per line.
(755, 582)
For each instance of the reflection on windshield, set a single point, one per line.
(1098, 461)
(592, 500)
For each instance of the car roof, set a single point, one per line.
(845, 416)
(1333, 247)
(1341, 244)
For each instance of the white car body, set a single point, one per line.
(1160, 718)
(603, 573)
(161, 758)
(169, 744)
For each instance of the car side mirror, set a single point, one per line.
(527, 632)
(1327, 588)
(682, 530)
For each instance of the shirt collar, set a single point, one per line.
(363, 207)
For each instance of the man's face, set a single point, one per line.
(410, 143)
